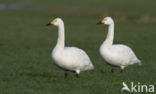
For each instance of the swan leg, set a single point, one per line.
(65, 74)
(112, 70)
(122, 68)
(77, 73)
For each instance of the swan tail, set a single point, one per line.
(90, 67)
(139, 62)
(136, 61)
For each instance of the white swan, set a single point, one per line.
(116, 54)
(68, 58)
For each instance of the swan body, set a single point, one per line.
(116, 54)
(72, 59)
(69, 58)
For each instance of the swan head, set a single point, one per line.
(56, 22)
(106, 20)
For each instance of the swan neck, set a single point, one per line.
(110, 35)
(61, 37)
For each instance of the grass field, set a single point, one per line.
(26, 44)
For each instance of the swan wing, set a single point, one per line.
(124, 52)
(77, 58)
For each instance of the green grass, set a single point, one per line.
(26, 44)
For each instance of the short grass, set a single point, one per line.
(26, 44)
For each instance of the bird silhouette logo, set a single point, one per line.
(125, 87)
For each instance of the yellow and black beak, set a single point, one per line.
(51, 23)
(101, 22)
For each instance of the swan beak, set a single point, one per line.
(101, 22)
(52, 22)
(48, 24)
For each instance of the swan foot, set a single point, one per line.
(65, 74)
(77, 73)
